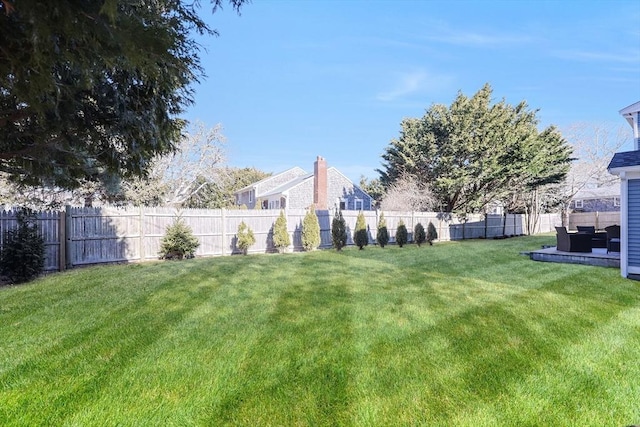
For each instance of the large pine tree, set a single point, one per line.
(93, 90)
(475, 151)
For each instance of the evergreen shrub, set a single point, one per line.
(432, 234)
(360, 236)
(419, 235)
(246, 239)
(178, 242)
(401, 234)
(338, 231)
(281, 239)
(22, 255)
(382, 236)
(310, 230)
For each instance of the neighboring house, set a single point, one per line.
(326, 187)
(627, 166)
(600, 199)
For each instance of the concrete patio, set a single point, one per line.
(597, 256)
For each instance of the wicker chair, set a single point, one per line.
(572, 242)
(613, 238)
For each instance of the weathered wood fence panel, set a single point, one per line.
(49, 228)
(600, 220)
(82, 236)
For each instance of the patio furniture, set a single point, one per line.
(613, 238)
(598, 238)
(572, 242)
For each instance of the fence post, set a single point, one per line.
(62, 241)
(224, 228)
(142, 234)
(68, 249)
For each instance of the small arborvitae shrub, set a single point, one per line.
(432, 234)
(382, 236)
(246, 239)
(338, 231)
(22, 255)
(178, 242)
(310, 230)
(401, 234)
(419, 235)
(360, 235)
(281, 239)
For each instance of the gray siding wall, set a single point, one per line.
(301, 196)
(340, 187)
(597, 205)
(633, 222)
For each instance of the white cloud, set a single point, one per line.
(415, 82)
(479, 39)
(599, 56)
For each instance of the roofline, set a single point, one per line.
(263, 180)
(630, 109)
(354, 184)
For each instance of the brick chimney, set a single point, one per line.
(320, 183)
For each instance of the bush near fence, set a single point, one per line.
(82, 236)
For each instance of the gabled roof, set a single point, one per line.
(287, 186)
(269, 178)
(598, 193)
(625, 159)
(628, 112)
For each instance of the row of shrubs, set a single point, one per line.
(179, 242)
(23, 252)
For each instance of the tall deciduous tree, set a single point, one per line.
(470, 153)
(219, 193)
(93, 90)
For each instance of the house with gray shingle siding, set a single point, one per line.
(325, 188)
(627, 166)
(597, 199)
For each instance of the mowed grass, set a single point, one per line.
(466, 334)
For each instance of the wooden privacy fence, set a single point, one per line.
(600, 220)
(82, 236)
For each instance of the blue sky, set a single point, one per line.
(293, 79)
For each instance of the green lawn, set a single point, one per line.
(458, 334)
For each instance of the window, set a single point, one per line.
(578, 204)
(250, 196)
(616, 201)
(358, 204)
(343, 205)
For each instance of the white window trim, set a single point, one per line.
(578, 204)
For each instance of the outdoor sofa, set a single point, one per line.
(572, 242)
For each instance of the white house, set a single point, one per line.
(627, 166)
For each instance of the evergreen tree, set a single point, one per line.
(23, 252)
(360, 236)
(245, 237)
(310, 230)
(339, 231)
(281, 239)
(382, 236)
(419, 235)
(474, 151)
(401, 234)
(93, 90)
(432, 234)
(178, 242)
